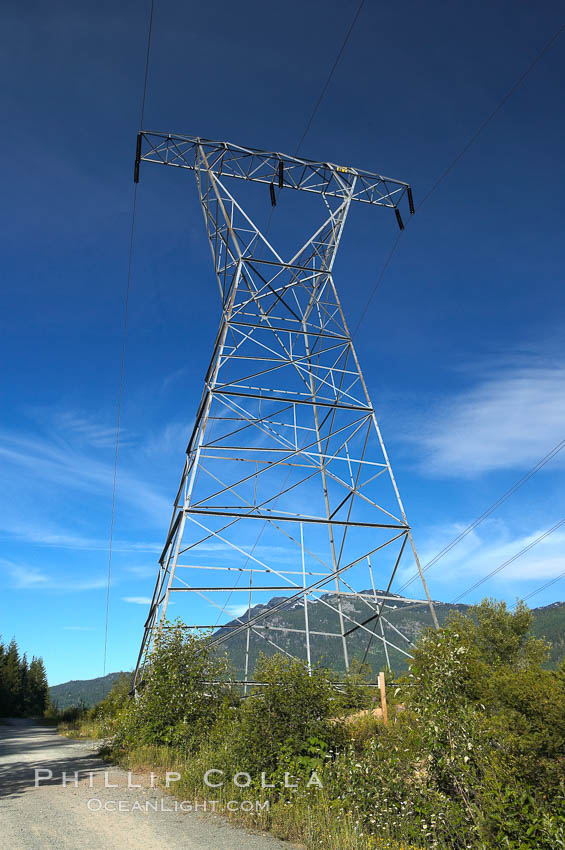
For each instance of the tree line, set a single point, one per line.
(24, 691)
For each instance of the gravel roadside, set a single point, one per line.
(89, 814)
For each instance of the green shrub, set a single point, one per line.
(185, 685)
(491, 721)
(355, 695)
(288, 719)
(117, 699)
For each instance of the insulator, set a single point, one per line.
(137, 159)
(399, 218)
(281, 174)
(273, 196)
(410, 200)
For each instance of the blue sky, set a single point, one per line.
(461, 347)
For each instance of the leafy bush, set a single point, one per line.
(117, 699)
(355, 695)
(283, 726)
(492, 722)
(476, 759)
(185, 685)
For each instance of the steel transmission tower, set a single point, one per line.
(287, 489)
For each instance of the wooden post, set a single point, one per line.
(382, 688)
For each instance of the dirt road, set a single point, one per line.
(87, 813)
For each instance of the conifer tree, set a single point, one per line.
(3, 688)
(37, 687)
(12, 679)
(24, 686)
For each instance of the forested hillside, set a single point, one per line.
(82, 692)
(549, 623)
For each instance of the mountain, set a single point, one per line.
(548, 623)
(410, 619)
(323, 621)
(87, 692)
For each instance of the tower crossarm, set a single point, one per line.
(274, 168)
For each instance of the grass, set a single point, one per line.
(81, 729)
(314, 822)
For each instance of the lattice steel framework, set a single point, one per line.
(287, 488)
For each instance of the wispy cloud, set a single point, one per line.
(174, 376)
(508, 420)
(143, 570)
(481, 552)
(84, 429)
(49, 460)
(26, 577)
(236, 610)
(137, 600)
(170, 440)
(46, 535)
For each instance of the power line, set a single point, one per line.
(551, 454)
(511, 560)
(321, 96)
(379, 279)
(495, 111)
(330, 75)
(124, 337)
(147, 56)
(543, 587)
(456, 159)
